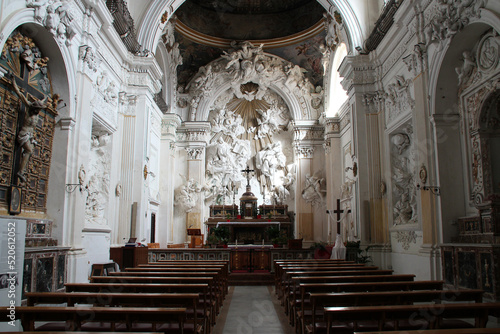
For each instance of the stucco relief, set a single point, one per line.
(398, 99)
(406, 238)
(247, 63)
(56, 16)
(89, 57)
(187, 194)
(415, 61)
(313, 191)
(404, 197)
(448, 17)
(99, 177)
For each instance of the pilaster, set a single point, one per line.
(194, 136)
(169, 125)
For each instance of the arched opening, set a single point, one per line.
(38, 161)
(338, 95)
(451, 130)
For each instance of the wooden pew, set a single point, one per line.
(427, 316)
(286, 272)
(219, 286)
(214, 291)
(287, 281)
(441, 331)
(189, 301)
(310, 312)
(219, 269)
(104, 318)
(62, 332)
(292, 291)
(309, 261)
(219, 280)
(305, 289)
(281, 269)
(202, 289)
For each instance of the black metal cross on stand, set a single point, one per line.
(248, 171)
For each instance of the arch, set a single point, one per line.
(337, 94)
(63, 79)
(451, 144)
(151, 26)
(62, 53)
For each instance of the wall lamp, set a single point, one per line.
(71, 187)
(422, 174)
(434, 189)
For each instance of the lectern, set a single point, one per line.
(196, 237)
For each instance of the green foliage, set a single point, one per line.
(273, 232)
(218, 235)
(361, 254)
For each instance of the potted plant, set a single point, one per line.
(354, 252)
(222, 234)
(272, 232)
(279, 241)
(212, 240)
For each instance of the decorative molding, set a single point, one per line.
(304, 152)
(415, 61)
(195, 153)
(67, 123)
(447, 18)
(89, 57)
(398, 99)
(246, 63)
(405, 238)
(56, 16)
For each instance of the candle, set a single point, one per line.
(262, 242)
(236, 242)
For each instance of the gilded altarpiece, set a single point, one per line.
(23, 62)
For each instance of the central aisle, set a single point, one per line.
(251, 310)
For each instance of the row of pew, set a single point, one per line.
(167, 296)
(336, 296)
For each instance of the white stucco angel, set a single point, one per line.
(267, 124)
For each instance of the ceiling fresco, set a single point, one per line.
(251, 20)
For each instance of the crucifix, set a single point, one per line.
(248, 171)
(338, 211)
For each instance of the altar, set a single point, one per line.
(251, 231)
(249, 223)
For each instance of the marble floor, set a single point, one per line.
(252, 310)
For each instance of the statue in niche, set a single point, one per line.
(325, 59)
(26, 136)
(269, 160)
(465, 71)
(312, 192)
